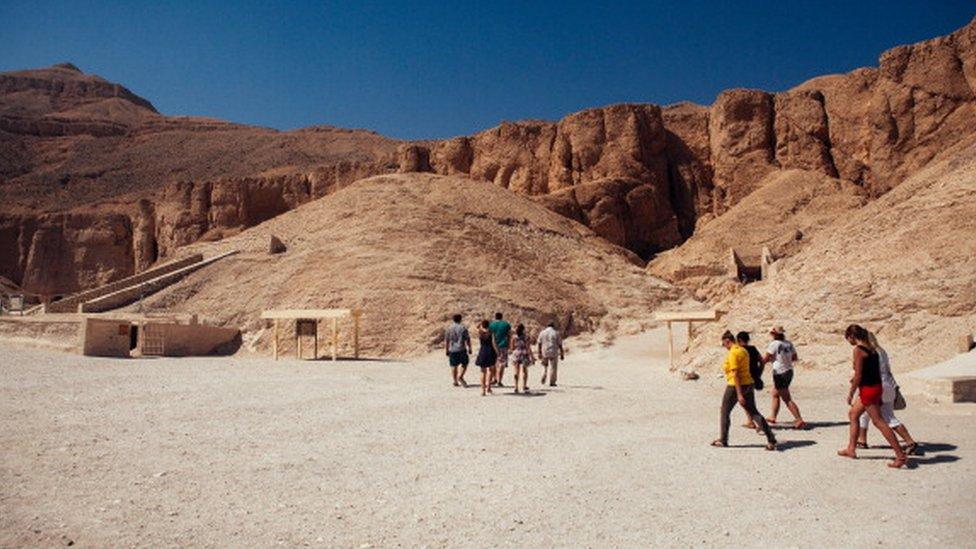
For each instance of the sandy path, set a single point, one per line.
(220, 451)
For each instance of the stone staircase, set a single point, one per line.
(126, 290)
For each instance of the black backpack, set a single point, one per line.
(756, 367)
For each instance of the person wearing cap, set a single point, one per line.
(739, 390)
(782, 354)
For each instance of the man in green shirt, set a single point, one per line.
(500, 331)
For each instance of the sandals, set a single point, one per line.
(770, 446)
(801, 425)
(911, 449)
(771, 421)
(863, 445)
(719, 444)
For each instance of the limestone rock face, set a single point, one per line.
(190, 211)
(644, 177)
(740, 127)
(688, 154)
(621, 149)
(627, 212)
(802, 133)
(414, 158)
(59, 253)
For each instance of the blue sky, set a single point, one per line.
(438, 69)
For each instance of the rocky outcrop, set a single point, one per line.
(66, 87)
(413, 158)
(642, 176)
(56, 254)
(690, 171)
(627, 212)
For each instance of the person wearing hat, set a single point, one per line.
(782, 354)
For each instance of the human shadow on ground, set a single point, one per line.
(936, 447)
(791, 444)
(529, 394)
(780, 446)
(915, 460)
(590, 387)
(823, 424)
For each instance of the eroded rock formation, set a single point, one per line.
(642, 176)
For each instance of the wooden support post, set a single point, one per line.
(335, 339)
(274, 344)
(355, 332)
(670, 347)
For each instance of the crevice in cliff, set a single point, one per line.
(828, 143)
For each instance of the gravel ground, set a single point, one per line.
(214, 452)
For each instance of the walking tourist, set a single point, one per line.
(522, 357)
(739, 389)
(782, 354)
(457, 344)
(889, 392)
(756, 367)
(866, 381)
(551, 352)
(500, 331)
(487, 356)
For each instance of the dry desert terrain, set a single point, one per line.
(226, 451)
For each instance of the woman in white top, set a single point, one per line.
(889, 390)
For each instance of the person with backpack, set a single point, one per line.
(739, 390)
(756, 367)
(782, 354)
(501, 331)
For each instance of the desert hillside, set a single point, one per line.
(77, 151)
(903, 265)
(413, 249)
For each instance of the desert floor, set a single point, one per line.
(214, 452)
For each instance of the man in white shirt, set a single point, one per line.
(782, 354)
(551, 350)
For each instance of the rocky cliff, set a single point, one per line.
(641, 176)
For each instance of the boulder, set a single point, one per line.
(276, 246)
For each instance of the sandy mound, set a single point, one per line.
(786, 210)
(412, 249)
(904, 265)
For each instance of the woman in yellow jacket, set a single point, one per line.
(739, 389)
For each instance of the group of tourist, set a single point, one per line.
(872, 382)
(498, 346)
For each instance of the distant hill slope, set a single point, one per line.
(413, 249)
(903, 265)
(70, 139)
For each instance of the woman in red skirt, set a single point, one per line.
(867, 382)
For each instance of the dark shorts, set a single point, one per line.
(782, 381)
(458, 358)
